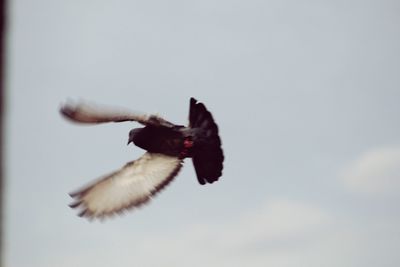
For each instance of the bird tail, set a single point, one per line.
(208, 155)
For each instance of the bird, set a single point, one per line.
(167, 145)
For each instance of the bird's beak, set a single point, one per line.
(129, 141)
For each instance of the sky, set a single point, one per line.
(305, 93)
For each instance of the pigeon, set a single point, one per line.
(166, 145)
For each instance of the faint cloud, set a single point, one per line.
(281, 232)
(375, 172)
(277, 219)
(276, 227)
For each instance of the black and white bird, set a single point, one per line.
(167, 145)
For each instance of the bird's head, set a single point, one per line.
(134, 134)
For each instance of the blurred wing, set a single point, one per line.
(129, 187)
(89, 113)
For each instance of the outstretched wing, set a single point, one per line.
(89, 113)
(133, 185)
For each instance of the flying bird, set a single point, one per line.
(167, 145)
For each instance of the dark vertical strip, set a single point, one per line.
(2, 101)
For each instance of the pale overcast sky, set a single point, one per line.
(306, 95)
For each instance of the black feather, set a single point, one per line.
(207, 152)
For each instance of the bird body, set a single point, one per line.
(167, 145)
(158, 140)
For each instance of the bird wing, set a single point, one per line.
(133, 185)
(84, 112)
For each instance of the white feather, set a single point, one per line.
(128, 187)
